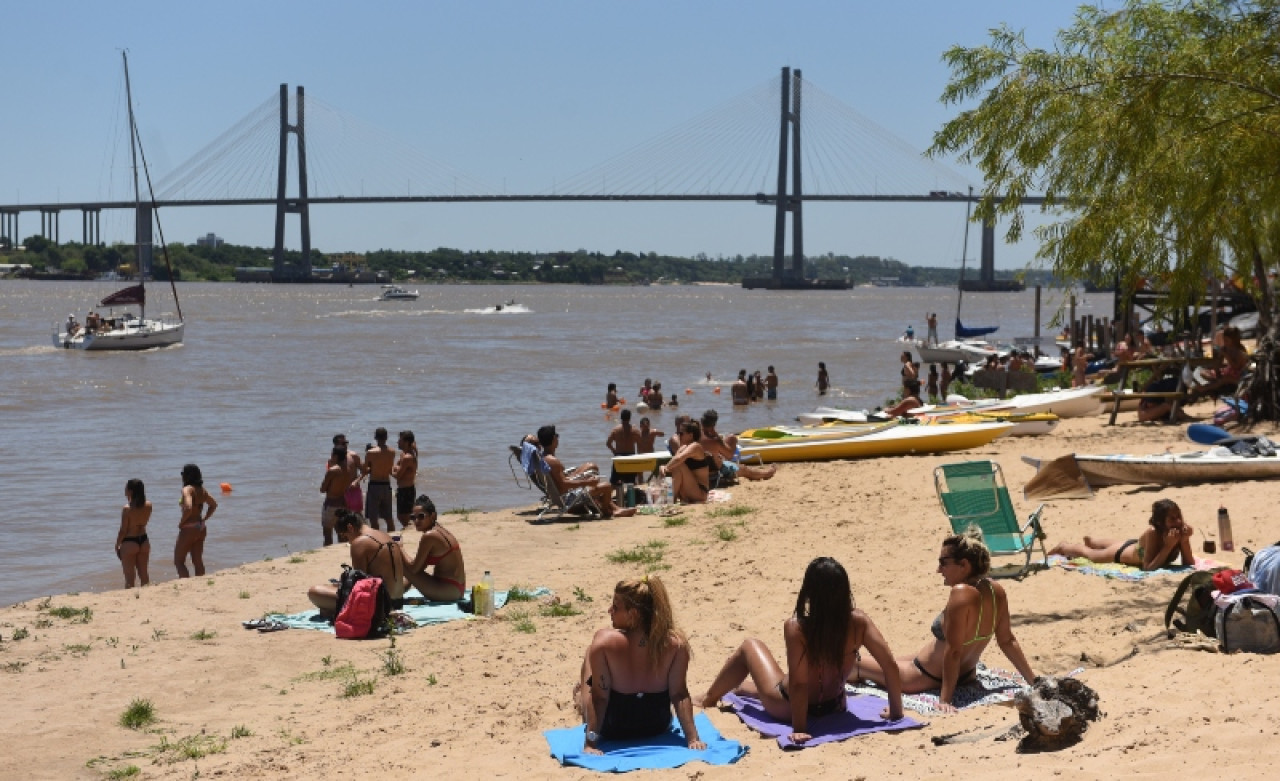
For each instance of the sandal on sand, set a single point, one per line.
(273, 626)
(255, 623)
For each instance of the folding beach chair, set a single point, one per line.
(538, 473)
(975, 493)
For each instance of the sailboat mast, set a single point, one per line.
(964, 255)
(137, 193)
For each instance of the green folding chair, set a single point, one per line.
(973, 493)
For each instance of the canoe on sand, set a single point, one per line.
(894, 441)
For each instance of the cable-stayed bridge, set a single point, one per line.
(746, 149)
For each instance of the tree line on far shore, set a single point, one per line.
(197, 262)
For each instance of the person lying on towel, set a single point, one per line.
(977, 610)
(1165, 541)
(634, 671)
(822, 640)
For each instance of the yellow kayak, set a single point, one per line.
(763, 437)
(1025, 424)
(893, 441)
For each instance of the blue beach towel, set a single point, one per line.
(422, 615)
(658, 753)
(1124, 571)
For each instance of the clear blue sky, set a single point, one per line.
(518, 94)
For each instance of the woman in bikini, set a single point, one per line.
(634, 671)
(191, 529)
(823, 637)
(1168, 539)
(132, 547)
(373, 552)
(690, 467)
(437, 548)
(977, 610)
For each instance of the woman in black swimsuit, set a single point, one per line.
(373, 552)
(132, 547)
(1166, 540)
(690, 467)
(634, 672)
(822, 639)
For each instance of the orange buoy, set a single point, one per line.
(604, 405)
(688, 391)
(622, 401)
(717, 390)
(226, 487)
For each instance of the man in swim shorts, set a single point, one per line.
(379, 460)
(405, 473)
(337, 478)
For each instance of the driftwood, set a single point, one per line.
(1055, 712)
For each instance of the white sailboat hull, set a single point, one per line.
(133, 335)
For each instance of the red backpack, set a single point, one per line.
(364, 613)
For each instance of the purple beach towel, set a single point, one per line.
(862, 717)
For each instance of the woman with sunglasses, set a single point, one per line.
(977, 610)
(690, 467)
(438, 549)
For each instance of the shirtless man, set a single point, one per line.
(623, 441)
(582, 477)
(373, 552)
(356, 469)
(741, 394)
(337, 478)
(379, 461)
(646, 437)
(771, 385)
(405, 472)
(724, 448)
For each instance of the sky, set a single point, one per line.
(517, 94)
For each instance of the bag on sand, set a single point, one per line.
(363, 606)
(1248, 621)
(1193, 601)
(1264, 568)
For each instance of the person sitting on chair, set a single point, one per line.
(977, 610)
(1167, 539)
(583, 477)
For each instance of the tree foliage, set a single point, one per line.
(1153, 132)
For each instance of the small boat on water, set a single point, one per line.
(128, 331)
(972, 351)
(892, 441)
(1215, 465)
(397, 293)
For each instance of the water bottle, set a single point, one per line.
(1224, 530)
(487, 580)
(656, 492)
(670, 492)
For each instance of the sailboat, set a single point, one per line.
(967, 345)
(127, 331)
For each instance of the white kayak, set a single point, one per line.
(823, 415)
(1214, 465)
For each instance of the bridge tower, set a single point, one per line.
(286, 205)
(789, 130)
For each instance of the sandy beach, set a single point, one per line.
(474, 696)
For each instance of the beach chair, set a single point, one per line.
(975, 493)
(519, 475)
(553, 502)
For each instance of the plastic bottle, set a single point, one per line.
(487, 580)
(670, 492)
(1224, 530)
(656, 492)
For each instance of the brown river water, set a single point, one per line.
(269, 373)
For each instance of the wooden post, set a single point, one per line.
(1072, 320)
(1036, 334)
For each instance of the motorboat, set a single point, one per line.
(892, 441)
(127, 331)
(397, 293)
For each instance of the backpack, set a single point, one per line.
(1248, 621)
(1194, 602)
(363, 606)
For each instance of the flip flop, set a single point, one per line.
(273, 626)
(254, 623)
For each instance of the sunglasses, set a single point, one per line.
(418, 517)
(943, 560)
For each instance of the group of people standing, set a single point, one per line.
(754, 387)
(133, 546)
(345, 471)
(634, 673)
